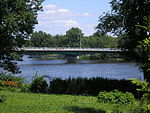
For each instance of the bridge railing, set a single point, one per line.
(66, 49)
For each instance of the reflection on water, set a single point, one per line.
(60, 68)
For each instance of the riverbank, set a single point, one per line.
(96, 58)
(47, 57)
(16, 97)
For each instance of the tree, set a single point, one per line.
(99, 42)
(60, 41)
(17, 21)
(143, 50)
(41, 39)
(123, 20)
(74, 36)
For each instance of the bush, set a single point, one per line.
(2, 99)
(4, 77)
(115, 97)
(9, 84)
(38, 85)
(144, 104)
(57, 86)
(90, 86)
(24, 87)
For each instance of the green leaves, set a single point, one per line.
(38, 85)
(73, 37)
(41, 39)
(99, 42)
(145, 86)
(17, 21)
(115, 97)
(2, 98)
(143, 51)
(144, 104)
(130, 20)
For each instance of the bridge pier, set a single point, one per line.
(71, 58)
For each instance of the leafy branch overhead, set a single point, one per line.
(17, 21)
(129, 20)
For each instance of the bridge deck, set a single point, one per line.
(42, 49)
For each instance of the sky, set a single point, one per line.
(58, 16)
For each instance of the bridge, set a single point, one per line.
(71, 53)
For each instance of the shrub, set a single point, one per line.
(115, 97)
(15, 80)
(24, 88)
(57, 86)
(144, 104)
(9, 83)
(38, 85)
(90, 86)
(2, 99)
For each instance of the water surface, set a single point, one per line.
(60, 68)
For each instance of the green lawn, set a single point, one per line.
(17, 102)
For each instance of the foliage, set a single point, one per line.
(57, 86)
(124, 20)
(144, 104)
(143, 51)
(90, 86)
(38, 85)
(60, 41)
(17, 21)
(142, 107)
(122, 17)
(145, 86)
(2, 98)
(104, 57)
(73, 37)
(41, 39)
(115, 97)
(9, 83)
(24, 87)
(110, 23)
(14, 80)
(99, 42)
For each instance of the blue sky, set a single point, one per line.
(61, 15)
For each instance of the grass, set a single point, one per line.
(17, 102)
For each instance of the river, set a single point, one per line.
(60, 68)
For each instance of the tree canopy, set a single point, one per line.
(99, 42)
(74, 36)
(17, 21)
(42, 39)
(124, 20)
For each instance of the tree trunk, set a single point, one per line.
(146, 75)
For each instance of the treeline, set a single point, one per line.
(73, 38)
(91, 86)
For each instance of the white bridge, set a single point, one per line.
(57, 49)
(70, 53)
